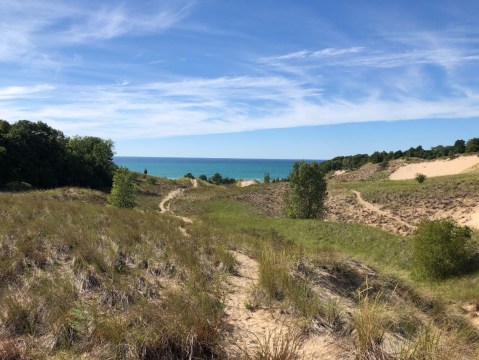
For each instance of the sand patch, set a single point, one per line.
(339, 172)
(252, 329)
(436, 168)
(248, 183)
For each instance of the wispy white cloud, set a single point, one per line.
(110, 22)
(307, 54)
(377, 58)
(17, 92)
(398, 77)
(219, 105)
(48, 24)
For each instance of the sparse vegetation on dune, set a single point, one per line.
(81, 278)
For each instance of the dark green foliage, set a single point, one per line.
(441, 249)
(305, 200)
(34, 153)
(267, 178)
(91, 161)
(460, 146)
(189, 176)
(37, 154)
(123, 191)
(420, 178)
(218, 179)
(355, 161)
(472, 145)
(203, 177)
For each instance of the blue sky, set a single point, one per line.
(263, 79)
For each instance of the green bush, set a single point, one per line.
(189, 176)
(420, 178)
(441, 249)
(123, 191)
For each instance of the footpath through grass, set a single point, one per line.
(388, 252)
(373, 245)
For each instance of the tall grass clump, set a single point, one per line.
(370, 323)
(276, 278)
(275, 346)
(441, 249)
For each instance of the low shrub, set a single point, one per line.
(441, 249)
(420, 178)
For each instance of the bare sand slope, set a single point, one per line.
(248, 183)
(436, 168)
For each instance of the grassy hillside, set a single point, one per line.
(82, 279)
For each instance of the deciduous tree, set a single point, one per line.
(307, 193)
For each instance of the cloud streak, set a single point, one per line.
(202, 106)
(30, 35)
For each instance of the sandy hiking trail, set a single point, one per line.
(436, 168)
(194, 182)
(253, 328)
(165, 207)
(377, 210)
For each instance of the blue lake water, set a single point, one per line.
(246, 169)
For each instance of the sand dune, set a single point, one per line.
(436, 168)
(248, 183)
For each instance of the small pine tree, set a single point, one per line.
(123, 191)
(267, 178)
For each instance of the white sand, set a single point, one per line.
(248, 183)
(435, 168)
(339, 172)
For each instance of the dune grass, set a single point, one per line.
(81, 278)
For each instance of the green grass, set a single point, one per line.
(374, 245)
(388, 252)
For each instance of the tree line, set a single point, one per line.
(39, 155)
(355, 161)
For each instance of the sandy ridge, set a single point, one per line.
(436, 168)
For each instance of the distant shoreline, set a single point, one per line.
(240, 169)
